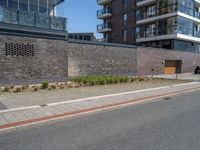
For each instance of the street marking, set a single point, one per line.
(18, 109)
(105, 96)
(190, 83)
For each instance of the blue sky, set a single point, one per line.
(81, 15)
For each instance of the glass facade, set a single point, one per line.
(170, 26)
(161, 7)
(32, 13)
(186, 46)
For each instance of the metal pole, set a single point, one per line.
(176, 70)
(38, 6)
(47, 6)
(28, 5)
(7, 3)
(18, 4)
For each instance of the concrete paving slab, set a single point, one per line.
(2, 106)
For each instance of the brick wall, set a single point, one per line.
(87, 59)
(49, 61)
(55, 60)
(153, 58)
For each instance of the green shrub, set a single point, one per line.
(45, 84)
(100, 80)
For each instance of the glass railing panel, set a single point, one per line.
(57, 23)
(26, 19)
(8, 16)
(168, 30)
(32, 19)
(42, 21)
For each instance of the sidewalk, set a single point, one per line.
(30, 115)
(24, 99)
(182, 76)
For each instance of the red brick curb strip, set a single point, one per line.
(57, 116)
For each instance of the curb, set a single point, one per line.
(89, 110)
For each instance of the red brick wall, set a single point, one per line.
(148, 58)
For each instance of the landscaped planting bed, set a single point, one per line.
(80, 81)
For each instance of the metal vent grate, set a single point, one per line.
(15, 49)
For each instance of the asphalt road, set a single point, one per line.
(164, 124)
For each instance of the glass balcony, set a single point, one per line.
(103, 2)
(144, 2)
(104, 13)
(174, 29)
(106, 27)
(32, 20)
(168, 9)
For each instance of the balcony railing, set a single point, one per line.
(168, 9)
(106, 27)
(104, 40)
(174, 29)
(104, 13)
(102, 2)
(144, 2)
(34, 20)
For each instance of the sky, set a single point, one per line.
(81, 15)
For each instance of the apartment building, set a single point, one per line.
(86, 36)
(36, 18)
(171, 24)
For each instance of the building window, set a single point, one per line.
(87, 38)
(151, 30)
(125, 4)
(137, 32)
(125, 19)
(151, 11)
(124, 35)
(137, 15)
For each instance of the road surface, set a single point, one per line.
(171, 123)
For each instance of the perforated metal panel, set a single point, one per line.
(16, 49)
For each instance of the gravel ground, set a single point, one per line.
(14, 100)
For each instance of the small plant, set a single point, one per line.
(17, 89)
(53, 86)
(12, 86)
(62, 86)
(141, 79)
(35, 89)
(45, 84)
(24, 87)
(6, 89)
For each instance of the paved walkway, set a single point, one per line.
(24, 99)
(182, 76)
(23, 116)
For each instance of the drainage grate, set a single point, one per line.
(167, 98)
(43, 105)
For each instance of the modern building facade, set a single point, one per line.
(82, 36)
(171, 24)
(37, 18)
